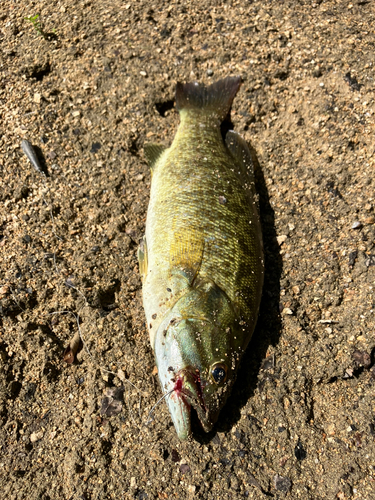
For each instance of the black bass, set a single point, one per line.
(201, 259)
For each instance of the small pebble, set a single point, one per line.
(36, 436)
(362, 358)
(210, 72)
(356, 225)
(287, 310)
(95, 147)
(143, 73)
(184, 468)
(299, 451)
(282, 483)
(281, 239)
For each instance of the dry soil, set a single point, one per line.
(88, 90)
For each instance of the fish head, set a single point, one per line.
(197, 348)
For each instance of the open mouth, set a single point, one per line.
(188, 388)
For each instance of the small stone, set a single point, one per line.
(133, 482)
(356, 225)
(282, 483)
(4, 290)
(191, 489)
(37, 98)
(210, 72)
(184, 468)
(222, 200)
(95, 147)
(36, 436)
(362, 358)
(76, 113)
(370, 220)
(281, 239)
(287, 310)
(143, 73)
(299, 451)
(317, 72)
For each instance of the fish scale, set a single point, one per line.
(202, 260)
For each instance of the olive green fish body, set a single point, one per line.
(201, 261)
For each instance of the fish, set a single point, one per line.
(201, 258)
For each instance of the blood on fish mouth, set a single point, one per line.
(181, 391)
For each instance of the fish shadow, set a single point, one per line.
(268, 328)
(42, 160)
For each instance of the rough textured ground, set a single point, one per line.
(300, 423)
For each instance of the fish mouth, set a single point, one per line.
(187, 393)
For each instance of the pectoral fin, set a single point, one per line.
(142, 258)
(186, 253)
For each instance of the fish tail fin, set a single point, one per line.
(217, 98)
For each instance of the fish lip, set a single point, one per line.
(191, 377)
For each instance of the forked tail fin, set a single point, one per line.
(215, 99)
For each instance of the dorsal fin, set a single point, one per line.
(240, 151)
(216, 99)
(153, 152)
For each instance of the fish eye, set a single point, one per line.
(219, 373)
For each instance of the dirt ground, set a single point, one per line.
(88, 91)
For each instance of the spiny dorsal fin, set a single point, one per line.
(217, 98)
(153, 152)
(240, 151)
